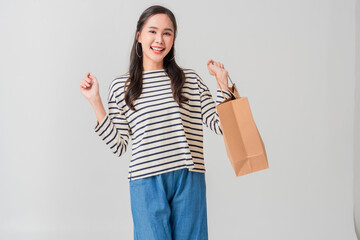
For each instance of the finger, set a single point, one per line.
(91, 77)
(86, 78)
(86, 83)
(90, 80)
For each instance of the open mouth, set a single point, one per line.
(157, 50)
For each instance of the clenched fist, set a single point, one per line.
(217, 69)
(89, 87)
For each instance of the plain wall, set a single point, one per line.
(296, 61)
(356, 124)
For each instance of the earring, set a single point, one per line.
(136, 50)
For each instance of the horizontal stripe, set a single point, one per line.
(165, 137)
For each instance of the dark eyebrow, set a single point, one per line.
(169, 29)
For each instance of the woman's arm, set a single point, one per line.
(89, 87)
(221, 74)
(209, 115)
(113, 127)
(98, 109)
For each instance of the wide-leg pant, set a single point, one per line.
(170, 206)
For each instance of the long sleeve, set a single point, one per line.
(114, 129)
(209, 115)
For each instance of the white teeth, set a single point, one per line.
(157, 49)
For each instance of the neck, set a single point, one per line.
(148, 66)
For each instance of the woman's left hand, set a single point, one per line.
(217, 69)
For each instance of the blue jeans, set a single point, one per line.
(170, 206)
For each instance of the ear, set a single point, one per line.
(138, 38)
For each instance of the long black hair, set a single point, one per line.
(175, 73)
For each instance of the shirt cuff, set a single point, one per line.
(100, 127)
(220, 96)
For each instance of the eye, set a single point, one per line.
(168, 33)
(152, 31)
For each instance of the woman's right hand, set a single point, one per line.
(89, 87)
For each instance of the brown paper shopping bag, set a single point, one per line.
(244, 145)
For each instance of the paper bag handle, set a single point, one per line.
(233, 87)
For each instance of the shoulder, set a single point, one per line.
(190, 72)
(118, 82)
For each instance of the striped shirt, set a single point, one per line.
(165, 137)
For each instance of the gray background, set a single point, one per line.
(296, 61)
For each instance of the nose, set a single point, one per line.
(159, 38)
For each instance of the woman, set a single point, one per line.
(162, 107)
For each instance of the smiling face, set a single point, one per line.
(156, 38)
